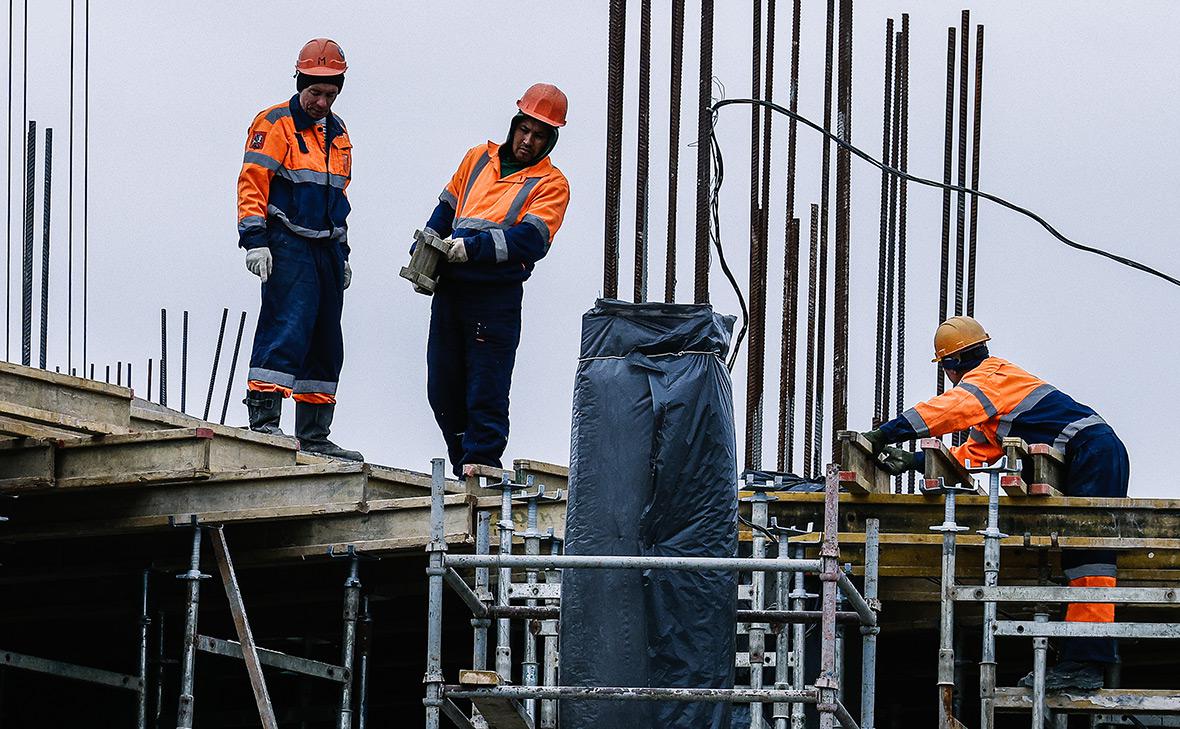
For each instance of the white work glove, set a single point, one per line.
(347, 274)
(458, 251)
(260, 262)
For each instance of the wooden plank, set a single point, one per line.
(1135, 701)
(550, 514)
(1048, 469)
(59, 420)
(859, 469)
(552, 476)
(499, 713)
(146, 415)
(22, 429)
(83, 400)
(134, 458)
(26, 464)
(237, 609)
(943, 469)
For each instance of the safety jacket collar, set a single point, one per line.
(303, 120)
(540, 168)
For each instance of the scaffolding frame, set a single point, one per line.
(489, 690)
(1114, 706)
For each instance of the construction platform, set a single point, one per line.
(101, 489)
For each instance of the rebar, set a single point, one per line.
(27, 251)
(70, 214)
(971, 238)
(809, 387)
(46, 212)
(8, 233)
(642, 163)
(233, 365)
(843, 231)
(903, 162)
(756, 349)
(616, 57)
(891, 270)
(184, 363)
(786, 433)
(216, 359)
(164, 357)
(704, 175)
(886, 145)
(961, 199)
(821, 302)
(85, 185)
(676, 83)
(947, 156)
(790, 344)
(149, 379)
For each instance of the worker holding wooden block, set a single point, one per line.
(993, 399)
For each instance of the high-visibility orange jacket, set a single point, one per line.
(507, 223)
(288, 179)
(993, 401)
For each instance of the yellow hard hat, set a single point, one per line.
(956, 334)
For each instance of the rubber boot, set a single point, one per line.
(265, 408)
(313, 423)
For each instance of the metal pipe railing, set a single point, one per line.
(622, 693)
(616, 562)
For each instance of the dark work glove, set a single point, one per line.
(876, 439)
(898, 460)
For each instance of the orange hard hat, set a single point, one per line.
(321, 57)
(545, 102)
(956, 334)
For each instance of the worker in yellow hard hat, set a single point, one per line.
(499, 213)
(993, 399)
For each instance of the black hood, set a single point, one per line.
(506, 148)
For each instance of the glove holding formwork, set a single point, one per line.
(898, 460)
(458, 251)
(260, 262)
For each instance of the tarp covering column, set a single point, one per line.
(653, 471)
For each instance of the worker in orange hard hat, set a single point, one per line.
(993, 399)
(499, 213)
(292, 221)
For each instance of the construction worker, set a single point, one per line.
(499, 213)
(993, 399)
(292, 211)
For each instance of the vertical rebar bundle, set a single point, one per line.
(947, 154)
(642, 163)
(614, 146)
(790, 337)
(886, 148)
(27, 249)
(8, 230)
(843, 227)
(755, 351)
(674, 145)
(961, 199)
(704, 124)
(824, 191)
(809, 385)
(45, 217)
(786, 415)
(903, 75)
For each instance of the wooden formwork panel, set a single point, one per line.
(84, 401)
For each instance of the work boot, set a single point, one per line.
(264, 409)
(1085, 675)
(313, 422)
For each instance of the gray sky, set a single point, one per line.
(1078, 125)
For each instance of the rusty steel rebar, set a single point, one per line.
(163, 400)
(614, 146)
(764, 212)
(886, 149)
(704, 124)
(809, 384)
(825, 185)
(891, 270)
(903, 165)
(756, 348)
(791, 317)
(947, 157)
(786, 431)
(843, 228)
(674, 145)
(642, 164)
(216, 360)
(233, 365)
(26, 355)
(978, 115)
(184, 363)
(961, 199)
(46, 212)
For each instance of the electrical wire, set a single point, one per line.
(928, 183)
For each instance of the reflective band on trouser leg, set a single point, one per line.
(1091, 612)
(263, 386)
(315, 398)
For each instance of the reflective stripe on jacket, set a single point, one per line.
(996, 400)
(287, 179)
(508, 223)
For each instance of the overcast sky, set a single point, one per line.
(1079, 125)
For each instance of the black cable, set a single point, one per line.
(929, 183)
(715, 231)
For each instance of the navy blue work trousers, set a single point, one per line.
(298, 343)
(474, 332)
(1097, 465)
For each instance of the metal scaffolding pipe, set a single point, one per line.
(184, 711)
(437, 550)
(620, 693)
(508, 561)
(352, 594)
